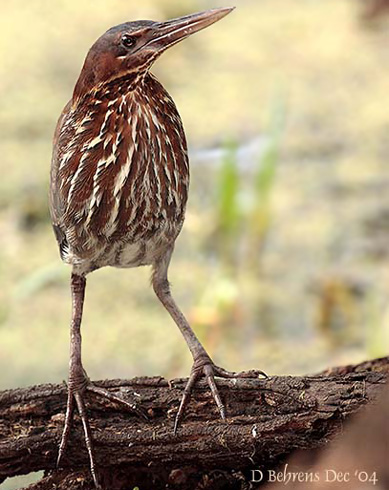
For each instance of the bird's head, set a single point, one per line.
(132, 47)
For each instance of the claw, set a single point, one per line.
(114, 398)
(209, 375)
(88, 436)
(67, 427)
(209, 370)
(185, 398)
(76, 397)
(253, 373)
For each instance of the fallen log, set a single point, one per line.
(357, 458)
(267, 420)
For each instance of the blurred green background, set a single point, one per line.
(283, 261)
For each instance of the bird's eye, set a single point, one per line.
(128, 41)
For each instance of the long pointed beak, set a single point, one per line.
(173, 31)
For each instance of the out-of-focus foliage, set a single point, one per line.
(227, 205)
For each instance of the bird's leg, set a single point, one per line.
(79, 382)
(202, 363)
(78, 379)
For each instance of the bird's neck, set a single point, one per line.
(130, 90)
(121, 85)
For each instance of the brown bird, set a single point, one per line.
(119, 186)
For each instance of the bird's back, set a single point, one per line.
(120, 175)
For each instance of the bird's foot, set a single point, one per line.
(203, 366)
(78, 385)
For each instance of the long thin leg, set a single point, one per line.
(77, 284)
(79, 381)
(202, 363)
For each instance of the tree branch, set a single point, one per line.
(268, 419)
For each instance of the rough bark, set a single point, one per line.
(267, 420)
(356, 459)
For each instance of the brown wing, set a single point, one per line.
(56, 205)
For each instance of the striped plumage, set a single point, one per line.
(120, 175)
(119, 186)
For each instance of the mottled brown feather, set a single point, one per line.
(120, 171)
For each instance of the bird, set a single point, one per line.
(119, 184)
